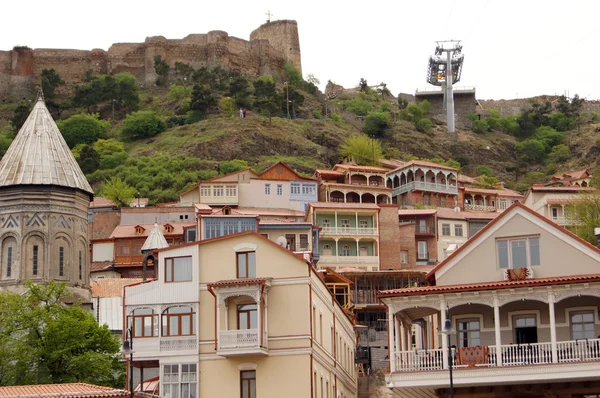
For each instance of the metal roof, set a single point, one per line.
(39, 155)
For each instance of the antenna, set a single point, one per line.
(447, 61)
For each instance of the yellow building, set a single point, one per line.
(241, 316)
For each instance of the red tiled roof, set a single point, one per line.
(391, 163)
(424, 290)
(240, 282)
(464, 178)
(361, 168)
(499, 192)
(416, 212)
(128, 231)
(68, 390)
(111, 287)
(98, 266)
(431, 275)
(570, 188)
(298, 176)
(329, 172)
(339, 205)
(424, 164)
(576, 175)
(443, 212)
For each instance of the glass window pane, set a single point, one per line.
(242, 265)
(534, 251)
(502, 254)
(147, 326)
(588, 317)
(169, 271)
(577, 318)
(243, 319)
(519, 254)
(252, 265)
(173, 326)
(252, 388)
(185, 324)
(577, 327)
(254, 319)
(138, 329)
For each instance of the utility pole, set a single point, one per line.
(287, 97)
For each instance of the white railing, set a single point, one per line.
(350, 259)
(219, 200)
(348, 231)
(419, 360)
(479, 207)
(239, 338)
(425, 186)
(579, 350)
(526, 354)
(565, 221)
(181, 344)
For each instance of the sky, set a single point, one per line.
(512, 49)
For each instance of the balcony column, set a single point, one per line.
(218, 309)
(356, 216)
(337, 250)
(402, 331)
(443, 341)
(335, 215)
(357, 250)
(259, 319)
(484, 202)
(398, 332)
(226, 317)
(564, 216)
(344, 196)
(552, 327)
(391, 327)
(497, 332)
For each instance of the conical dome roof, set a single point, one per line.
(156, 240)
(39, 155)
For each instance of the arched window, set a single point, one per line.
(179, 321)
(346, 250)
(9, 249)
(143, 322)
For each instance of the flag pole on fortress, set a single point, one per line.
(269, 15)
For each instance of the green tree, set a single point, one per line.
(88, 159)
(202, 99)
(423, 125)
(161, 67)
(376, 122)
(359, 105)
(561, 122)
(118, 191)
(531, 151)
(486, 182)
(178, 92)
(229, 166)
(266, 98)
(142, 124)
(362, 149)
(20, 115)
(4, 144)
(585, 214)
(239, 88)
(559, 153)
(484, 170)
(479, 126)
(292, 75)
(183, 72)
(227, 106)
(108, 147)
(82, 129)
(312, 79)
(50, 80)
(363, 85)
(43, 341)
(548, 136)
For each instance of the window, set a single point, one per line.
(363, 224)
(248, 383)
(525, 327)
(139, 230)
(231, 190)
(179, 321)
(265, 235)
(458, 230)
(326, 223)
(178, 269)
(246, 265)
(143, 323)
(446, 229)
(582, 325)
(35, 259)
(218, 190)
(205, 190)
(61, 261)
(468, 333)
(345, 224)
(190, 235)
(291, 242)
(346, 251)
(321, 328)
(9, 262)
(518, 253)
(295, 188)
(279, 190)
(267, 189)
(123, 248)
(247, 316)
(404, 257)
(168, 229)
(80, 266)
(423, 250)
(303, 241)
(179, 381)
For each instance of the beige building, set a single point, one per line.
(553, 201)
(241, 316)
(454, 228)
(522, 298)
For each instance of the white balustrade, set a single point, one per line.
(348, 231)
(479, 207)
(425, 186)
(239, 338)
(350, 259)
(526, 354)
(579, 350)
(178, 344)
(419, 360)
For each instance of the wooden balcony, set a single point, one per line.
(348, 231)
(425, 186)
(479, 207)
(241, 342)
(349, 259)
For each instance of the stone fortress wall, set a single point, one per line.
(270, 46)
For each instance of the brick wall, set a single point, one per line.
(389, 243)
(406, 238)
(103, 224)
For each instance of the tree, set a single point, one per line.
(266, 98)
(363, 85)
(202, 99)
(531, 151)
(292, 75)
(362, 149)
(376, 122)
(178, 92)
(484, 170)
(239, 88)
(82, 129)
(142, 124)
(585, 214)
(88, 160)
(423, 125)
(548, 136)
(20, 116)
(108, 147)
(44, 341)
(183, 72)
(359, 106)
(312, 79)
(161, 67)
(50, 80)
(559, 153)
(118, 191)
(229, 166)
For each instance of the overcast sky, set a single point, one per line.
(512, 48)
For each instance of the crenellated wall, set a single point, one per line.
(269, 48)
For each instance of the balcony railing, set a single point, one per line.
(181, 344)
(479, 207)
(424, 229)
(583, 350)
(565, 221)
(349, 231)
(219, 200)
(233, 339)
(425, 186)
(350, 259)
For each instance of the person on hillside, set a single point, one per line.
(241, 113)
(244, 113)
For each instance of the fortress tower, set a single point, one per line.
(282, 36)
(44, 199)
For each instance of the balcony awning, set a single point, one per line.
(241, 282)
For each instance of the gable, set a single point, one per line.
(561, 254)
(281, 172)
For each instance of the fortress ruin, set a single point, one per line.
(270, 47)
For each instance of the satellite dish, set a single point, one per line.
(457, 209)
(282, 241)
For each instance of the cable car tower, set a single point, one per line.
(447, 61)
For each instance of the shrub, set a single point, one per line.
(142, 124)
(82, 129)
(479, 126)
(559, 153)
(336, 117)
(484, 170)
(317, 114)
(362, 149)
(561, 122)
(229, 166)
(376, 122)
(178, 92)
(359, 106)
(548, 136)
(423, 125)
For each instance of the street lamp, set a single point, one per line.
(449, 331)
(128, 349)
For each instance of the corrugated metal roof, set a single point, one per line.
(39, 155)
(67, 390)
(156, 240)
(111, 287)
